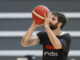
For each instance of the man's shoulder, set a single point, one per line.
(41, 32)
(67, 36)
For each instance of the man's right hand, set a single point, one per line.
(35, 26)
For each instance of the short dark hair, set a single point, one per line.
(61, 18)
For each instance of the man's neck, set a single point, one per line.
(57, 32)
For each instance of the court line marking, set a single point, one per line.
(32, 52)
(29, 14)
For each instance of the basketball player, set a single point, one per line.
(55, 43)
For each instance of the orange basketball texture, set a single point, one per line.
(38, 14)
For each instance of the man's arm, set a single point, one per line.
(54, 40)
(28, 40)
(31, 42)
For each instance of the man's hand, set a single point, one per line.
(47, 19)
(34, 25)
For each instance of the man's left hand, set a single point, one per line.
(48, 19)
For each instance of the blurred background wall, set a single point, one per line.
(15, 19)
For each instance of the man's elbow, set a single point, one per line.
(58, 47)
(23, 45)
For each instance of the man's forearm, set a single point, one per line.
(26, 38)
(28, 34)
(54, 40)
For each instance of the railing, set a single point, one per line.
(32, 52)
(21, 33)
(29, 15)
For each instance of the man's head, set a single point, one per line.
(59, 20)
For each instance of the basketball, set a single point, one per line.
(38, 14)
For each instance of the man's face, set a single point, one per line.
(54, 23)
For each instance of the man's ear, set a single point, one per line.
(59, 24)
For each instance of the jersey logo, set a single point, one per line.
(51, 53)
(50, 47)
